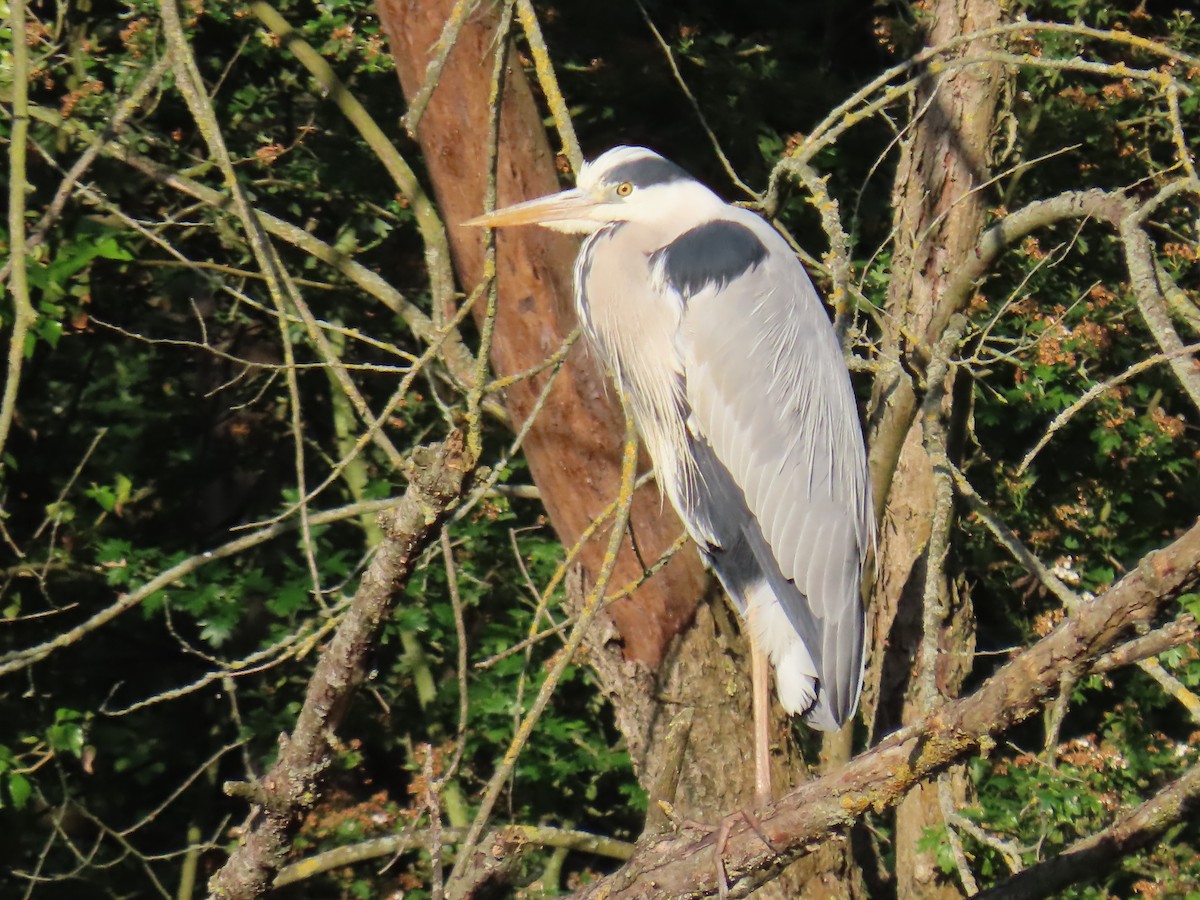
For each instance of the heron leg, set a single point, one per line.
(760, 677)
(722, 843)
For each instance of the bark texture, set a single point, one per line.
(939, 217)
(1096, 855)
(436, 477)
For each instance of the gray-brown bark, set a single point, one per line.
(939, 214)
(1098, 854)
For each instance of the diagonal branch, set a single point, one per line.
(681, 866)
(433, 232)
(436, 479)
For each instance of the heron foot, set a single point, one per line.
(723, 831)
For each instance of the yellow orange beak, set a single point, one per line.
(567, 205)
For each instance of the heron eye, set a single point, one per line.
(624, 189)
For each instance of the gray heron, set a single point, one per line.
(705, 317)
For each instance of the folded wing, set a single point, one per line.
(769, 394)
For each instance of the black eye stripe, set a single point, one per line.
(647, 171)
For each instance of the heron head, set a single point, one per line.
(625, 184)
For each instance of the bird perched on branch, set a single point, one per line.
(706, 319)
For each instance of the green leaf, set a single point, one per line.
(66, 734)
(19, 789)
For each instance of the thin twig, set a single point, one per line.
(679, 543)
(437, 890)
(79, 168)
(544, 70)
(460, 633)
(1149, 294)
(538, 835)
(945, 795)
(1172, 686)
(691, 98)
(1009, 852)
(934, 598)
(1069, 599)
(1095, 391)
(459, 360)
(433, 232)
(27, 656)
(24, 314)
(437, 61)
(591, 606)
(436, 476)
(488, 326)
(1097, 854)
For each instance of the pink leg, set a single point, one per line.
(760, 677)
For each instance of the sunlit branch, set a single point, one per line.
(27, 656)
(878, 779)
(433, 233)
(376, 848)
(24, 315)
(1097, 854)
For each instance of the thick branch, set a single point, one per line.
(436, 477)
(878, 779)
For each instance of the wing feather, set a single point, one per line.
(744, 403)
(768, 390)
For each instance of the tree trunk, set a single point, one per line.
(574, 448)
(939, 215)
(661, 651)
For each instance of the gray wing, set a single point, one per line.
(769, 393)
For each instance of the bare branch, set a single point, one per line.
(24, 314)
(549, 83)
(1095, 391)
(437, 61)
(533, 835)
(591, 607)
(27, 656)
(458, 358)
(691, 99)
(437, 247)
(1151, 301)
(1183, 630)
